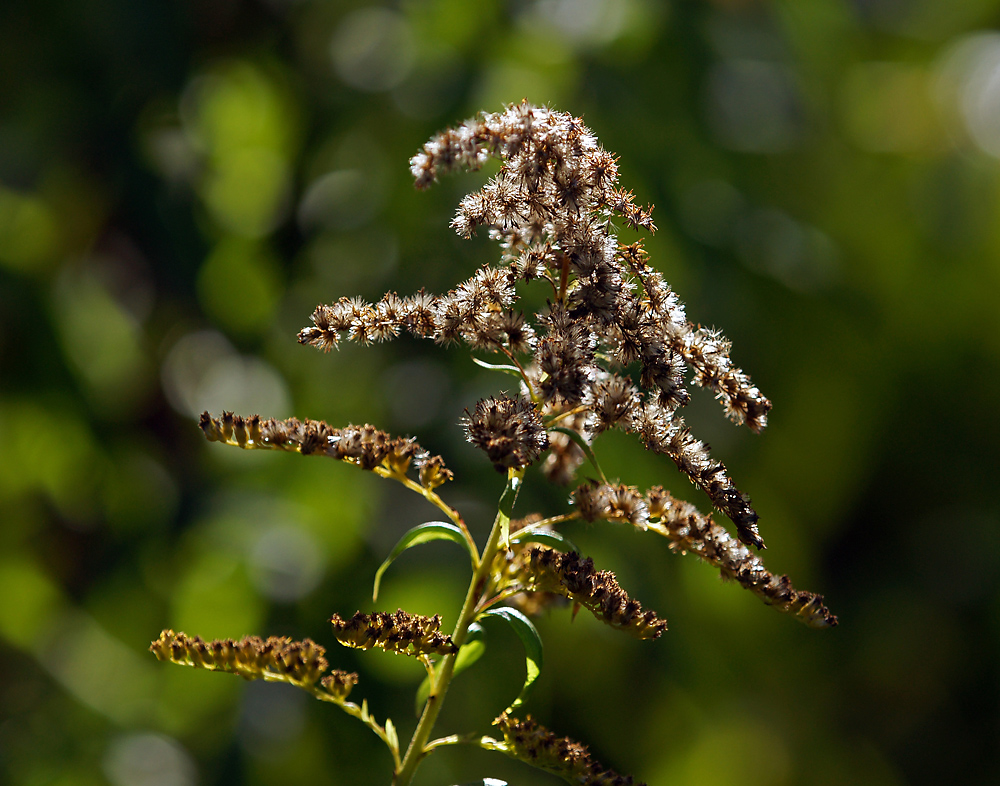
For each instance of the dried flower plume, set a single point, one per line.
(690, 531)
(568, 574)
(365, 446)
(551, 207)
(400, 632)
(533, 743)
(612, 348)
(508, 430)
(300, 663)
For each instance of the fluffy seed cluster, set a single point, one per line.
(546, 570)
(477, 312)
(297, 662)
(531, 742)
(551, 207)
(690, 531)
(508, 430)
(401, 633)
(365, 446)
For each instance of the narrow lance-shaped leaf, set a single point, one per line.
(581, 443)
(546, 537)
(532, 647)
(507, 369)
(472, 651)
(422, 533)
(506, 506)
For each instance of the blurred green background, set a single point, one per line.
(182, 182)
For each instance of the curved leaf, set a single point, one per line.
(581, 443)
(422, 533)
(532, 647)
(546, 537)
(506, 506)
(472, 650)
(512, 370)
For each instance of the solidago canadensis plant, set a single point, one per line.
(610, 318)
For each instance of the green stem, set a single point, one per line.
(444, 671)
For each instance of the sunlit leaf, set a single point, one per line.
(472, 650)
(514, 371)
(422, 533)
(484, 782)
(582, 444)
(546, 537)
(532, 647)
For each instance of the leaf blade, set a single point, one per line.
(588, 451)
(547, 538)
(472, 651)
(506, 369)
(422, 533)
(532, 643)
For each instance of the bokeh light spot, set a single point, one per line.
(286, 563)
(146, 759)
(753, 106)
(28, 231)
(373, 49)
(239, 285)
(203, 371)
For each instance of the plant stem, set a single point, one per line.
(446, 668)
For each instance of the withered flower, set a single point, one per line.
(533, 743)
(402, 633)
(300, 663)
(365, 446)
(550, 206)
(612, 348)
(568, 574)
(690, 531)
(339, 683)
(508, 430)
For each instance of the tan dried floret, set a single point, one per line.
(399, 632)
(549, 206)
(364, 446)
(612, 503)
(508, 430)
(300, 663)
(532, 743)
(690, 531)
(543, 569)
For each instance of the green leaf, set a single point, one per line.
(512, 370)
(390, 734)
(532, 647)
(582, 444)
(546, 537)
(506, 506)
(422, 533)
(472, 650)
